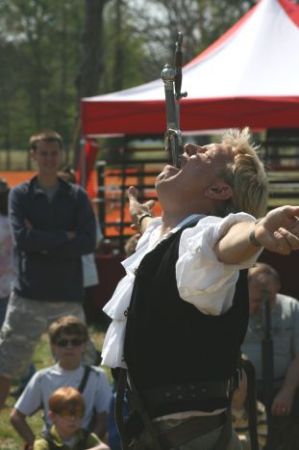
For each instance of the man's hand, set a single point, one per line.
(70, 235)
(282, 403)
(137, 209)
(278, 231)
(28, 224)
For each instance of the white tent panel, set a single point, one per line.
(251, 61)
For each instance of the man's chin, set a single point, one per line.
(167, 172)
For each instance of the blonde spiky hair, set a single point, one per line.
(246, 174)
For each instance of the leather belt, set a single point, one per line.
(207, 389)
(202, 396)
(190, 391)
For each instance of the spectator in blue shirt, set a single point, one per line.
(53, 225)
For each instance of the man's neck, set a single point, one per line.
(171, 221)
(69, 365)
(175, 213)
(47, 181)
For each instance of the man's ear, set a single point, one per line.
(219, 191)
(32, 154)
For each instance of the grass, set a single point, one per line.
(15, 160)
(9, 439)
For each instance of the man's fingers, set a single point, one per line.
(149, 204)
(281, 244)
(132, 193)
(292, 211)
(287, 239)
(279, 409)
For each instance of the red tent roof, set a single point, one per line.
(249, 76)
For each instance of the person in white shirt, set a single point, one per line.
(280, 395)
(180, 314)
(68, 337)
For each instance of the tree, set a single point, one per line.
(124, 48)
(44, 37)
(53, 53)
(91, 66)
(201, 22)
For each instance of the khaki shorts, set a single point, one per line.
(25, 321)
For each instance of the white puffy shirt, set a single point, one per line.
(202, 279)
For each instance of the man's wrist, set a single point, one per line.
(252, 236)
(142, 217)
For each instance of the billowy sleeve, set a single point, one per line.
(202, 279)
(117, 307)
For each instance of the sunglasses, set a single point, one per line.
(76, 342)
(77, 413)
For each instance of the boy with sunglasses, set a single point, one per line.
(66, 409)
(68, 337)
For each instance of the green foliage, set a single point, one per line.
(44, 47)
(39, 50)
(124, 49)
(219, 16)
(201, 21)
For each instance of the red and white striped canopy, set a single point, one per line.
(249, 76)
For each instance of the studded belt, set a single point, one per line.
(184, 397)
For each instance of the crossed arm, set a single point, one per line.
(64, 243)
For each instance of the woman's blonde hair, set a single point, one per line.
(246, 175)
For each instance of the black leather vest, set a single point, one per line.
(169, 341)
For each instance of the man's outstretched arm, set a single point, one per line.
(278, 232)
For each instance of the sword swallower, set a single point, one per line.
(172, 79)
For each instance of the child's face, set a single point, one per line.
(68, 349)
(67, 422)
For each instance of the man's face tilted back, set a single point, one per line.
(47, 155)
(199, 174)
